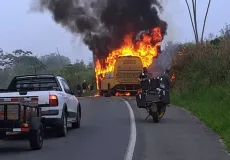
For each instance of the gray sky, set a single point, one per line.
(22, 29)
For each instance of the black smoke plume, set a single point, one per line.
(103, 23)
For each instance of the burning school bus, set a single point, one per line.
(119, 71)
(124, 78)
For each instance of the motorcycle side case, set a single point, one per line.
(166, 97)
(141, 100)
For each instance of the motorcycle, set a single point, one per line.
(153, 97)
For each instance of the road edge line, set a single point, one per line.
(133, 132)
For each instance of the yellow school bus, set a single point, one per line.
(124, 78)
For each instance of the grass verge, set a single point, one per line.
(211, 105)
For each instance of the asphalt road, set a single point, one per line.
(105, 135)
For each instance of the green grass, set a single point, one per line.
(211, 105)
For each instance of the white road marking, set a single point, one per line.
(133, 133)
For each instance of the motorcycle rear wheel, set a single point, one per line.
(154, 112)
(162, 111)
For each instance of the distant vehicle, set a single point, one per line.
(57, 101)
(124, 78)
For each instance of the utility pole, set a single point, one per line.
(193, 19)
(60, 57)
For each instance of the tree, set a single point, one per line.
(194, 19)
(17, 63)
(77, 72)
(225, 32)
(55, 62)
(216, 41)
(28, 64)
(23, 62)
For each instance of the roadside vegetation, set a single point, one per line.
(21, 62)
(202, 82)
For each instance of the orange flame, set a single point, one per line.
(123, 94)
(143, 48)
(180, 53)
(97, 95)
(173, 77)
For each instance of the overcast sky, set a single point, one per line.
(22, 29)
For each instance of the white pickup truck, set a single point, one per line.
(57, 101)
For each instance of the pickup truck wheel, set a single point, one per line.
(77, 124)
(62, 129)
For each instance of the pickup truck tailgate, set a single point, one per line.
(43, 97)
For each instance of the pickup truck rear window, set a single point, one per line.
(34, 84)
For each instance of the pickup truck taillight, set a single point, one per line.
(53, 100)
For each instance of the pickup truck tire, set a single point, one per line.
(61, 129)
(77, 124)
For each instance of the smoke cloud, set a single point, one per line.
(164, 61)
(102, 24)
